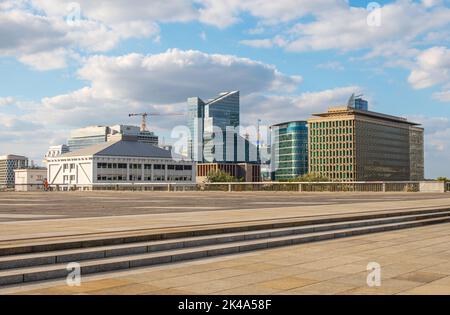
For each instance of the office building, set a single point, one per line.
(85, 137)
(122, 161)
(214, 128)
(289, 150)
(347, 144)
(30, 179)
(8, 163)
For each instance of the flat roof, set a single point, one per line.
(13, 157)
(333, 111)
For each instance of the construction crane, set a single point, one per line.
(145, 115)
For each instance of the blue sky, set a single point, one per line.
(289, 58)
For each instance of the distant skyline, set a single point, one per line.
(66, 65)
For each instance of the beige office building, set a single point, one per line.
(346, 144)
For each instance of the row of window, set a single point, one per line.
(331, 131)
(341, 160)
(146, 166)
(331, 168)
(133, 178)
(318, 139)
(332, 146)
(332, 124)
(329, 153)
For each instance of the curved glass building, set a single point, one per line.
(289, 150)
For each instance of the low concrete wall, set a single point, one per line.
(432, 187)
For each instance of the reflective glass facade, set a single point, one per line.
(214, 129)
(289, 150)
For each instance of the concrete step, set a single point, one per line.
(55, 271)
(98, 252)
(126, 237)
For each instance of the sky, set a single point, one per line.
(66, 65)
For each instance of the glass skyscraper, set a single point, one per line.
(214, 130)
(289, 150)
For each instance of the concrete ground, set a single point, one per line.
(28, 217)
(39, 205)
(413, 261)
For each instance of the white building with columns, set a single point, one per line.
(121, 162)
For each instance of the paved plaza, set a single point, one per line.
(25, 217)
(413, 261)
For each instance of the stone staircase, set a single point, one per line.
(47, 260)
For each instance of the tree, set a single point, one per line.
(219, 176)
(443, 179)
(310, 177)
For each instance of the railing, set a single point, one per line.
(237, 187)
(22, 187)
(315, 187)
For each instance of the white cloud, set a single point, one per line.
(437, 144)
(347, 29)
(40, 37)
(432, 67)
(443, 96)
(155, 83)
(175, 74)
(331, 65)
(431, 3)
(6, 101)
(46, 60)
(264, 43)
(275, 108)
(225, 13)
(344, 28)
(113, 12)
